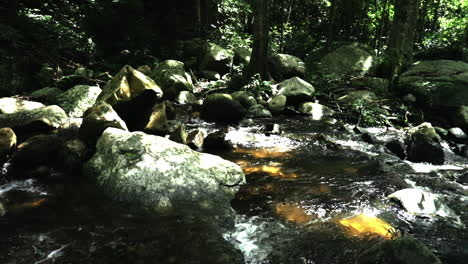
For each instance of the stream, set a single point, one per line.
(315, 193)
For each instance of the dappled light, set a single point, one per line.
(363, 225)
(293, 213)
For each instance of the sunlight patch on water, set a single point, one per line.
(293, 213)
(363, 225)
(272, 171)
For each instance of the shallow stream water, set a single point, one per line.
(314, 194)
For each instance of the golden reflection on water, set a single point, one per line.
(270, 170)
(264, 153)
(362, 225)
(292, 213)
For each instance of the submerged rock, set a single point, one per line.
(195, 139)
(162, 175)
(400, 251)
(284, 66)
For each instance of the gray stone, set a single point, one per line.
(195, 139)
(424, 145)
(316, 110)
(49, 117)
(284, 66)
(162, 175)
(217, 59)
(172, 78)
(10, 105)
(78, 99)
(47, 95)
(186, 97)
(277, 104)
(259, 111)
(246, 99)
(296, 90)
(457, 133)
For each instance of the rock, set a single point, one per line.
(397, 147)
(403, 250)
(242, 55)
(145, 69)
(296, 90)
(37, 151)
(83, 72)
(438, 82)
(222, 108)
(10, 105)
(369, 138)
(349, 60)
(259, 111)
(158, 121)
(277, 104)
(36, 120)
(316, 110)
(210, 75)
(356, 96)
(7, 142)
(186, 97)
(47, 95)
(78, 99)
(47, 75)
(246, 99)
(457, 134)
(132, 95)
(409, 98)
(3, 209)
(460, 117)
(217, 59)
(442, 132)
(284, 66)
(217, 141)
(377, 85)
(461, 150)
(71, 157)
(179, 135)
(424, 145)
(97, 119)
(162, 175)
(69, 81)
(195, 139)
(419, 202)
(172, 78)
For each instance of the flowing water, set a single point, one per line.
(314, 194)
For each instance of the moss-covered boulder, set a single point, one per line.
(246, 99)
(242, 55)
(296, 90)
(348, 60)
(258, 111)
(172, 78)
(162, 175)
(424, 145)
(277, 104)
(39, 119)
(47, 95)
(284, 66)
(217, 59)
(222, 108)
(78, 99)
(437, 83)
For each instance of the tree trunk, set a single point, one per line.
(400, 48)
(259, 57)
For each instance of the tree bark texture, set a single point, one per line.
(259, 57)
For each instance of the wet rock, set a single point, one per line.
(132, 95)
(175, 178)
(284, 66)
(7, 142)
(259, 111)
(461, 150)
(463, 179)
(377, 85)
(195, 139)
(246, 99)
(397, 147)
(460, 117)
(272, 128)
(47, 95)
(419, 202)
(36, 120)
(217, 59)
(3, 209)
(424, 145)
(71, 157)
(277, 104)
(316, 110)
(11, 105)
(442, 132)
(158, 121)
(172, 78)
(78, 99)
(97, 119)
(356, 96)
(352, 59)
(217, 141)
(457, 134)
(179, 135)
(296, 90)
(222, 108)
(404, 250)
(186, 97)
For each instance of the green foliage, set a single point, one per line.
(369, 114)
(257, 86)
(231, 29)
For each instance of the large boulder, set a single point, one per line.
(284, 66)
(44, 118)
(246, 99)
(47, 95)
(424, 145)
(217, 59)
(349, 60)
(437, 83)
(132, 95)
(172, 78)
(277, 103)
(296, 90)
(78, 99)
(162, 175)
(222, 108)
(404, 250)
(10, 105)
